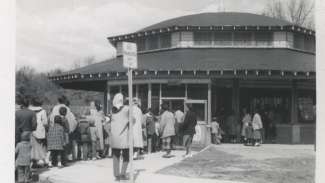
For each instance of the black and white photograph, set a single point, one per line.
(170, 91)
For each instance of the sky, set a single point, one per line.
(54, 34)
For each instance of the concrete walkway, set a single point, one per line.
(101, 171)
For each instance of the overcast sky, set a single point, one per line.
(57, 33)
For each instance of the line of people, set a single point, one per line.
(250, 131)
(56, 139)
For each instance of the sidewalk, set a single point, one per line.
(100, 171)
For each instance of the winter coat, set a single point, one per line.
(189, 124)
(99, 118)
(93, 133)
(150, 124)
(55, 137)
(41, 119)
(25, 122)
(83, 129)
(245, 121)
(119, 128)
(167, 124)
(23, 153)
(257, 122)
(137, 126)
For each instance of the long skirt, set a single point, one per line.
(38, 149)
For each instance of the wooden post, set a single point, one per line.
(107, 100)
(294, 107)
(209, 115)
(235, 96)
(149, 95)
(130, 124)
(160, 101)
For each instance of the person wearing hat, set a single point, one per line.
(167, 129)
(137, 128)
(119, 138)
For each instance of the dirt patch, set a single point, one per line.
(216, 164)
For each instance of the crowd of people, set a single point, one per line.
(57, 137)
(250, 131)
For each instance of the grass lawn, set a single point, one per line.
(218, 164)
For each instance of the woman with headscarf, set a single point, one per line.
(98, 117)
(167, 129)
(120, 138)
(137, 128)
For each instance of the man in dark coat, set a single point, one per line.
(188, 129)
(25, 120)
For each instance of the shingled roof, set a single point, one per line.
(220, 19)
(212, 59)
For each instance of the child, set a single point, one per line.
(56, 142)
(215, 131)
(158, 141)
(107, 137)
(249, 134)
(63, 113)
(85, 140)
(23, 160)
(94, 138)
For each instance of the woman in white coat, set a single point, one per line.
(257, 127)
(98, 116)
(120, 138)
(38, 137)
(137, 128)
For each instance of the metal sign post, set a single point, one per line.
(130, 62)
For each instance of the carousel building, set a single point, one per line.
(218, 62)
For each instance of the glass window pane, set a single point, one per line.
(263, 38)
(202, 38)
(197, 91)
(173, 90)
(242, 38)
(222, 38)
(165, 41)
(153, 42)
(141, 44)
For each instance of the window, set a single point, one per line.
(309, 43)
(202, 38)
(306, 106)
(141, 44)
(152, 42)
(223, 38)
(263, 38)
(298, 41)
(242, 38)
(197, 91)
(165, 41)
(173, 90)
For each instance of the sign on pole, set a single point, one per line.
(130, 62)
(130, 55)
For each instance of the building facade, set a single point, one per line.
(218, 62)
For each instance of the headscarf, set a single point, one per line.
(118, 100)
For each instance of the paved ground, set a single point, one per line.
(100, 171)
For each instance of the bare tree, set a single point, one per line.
(298, 12)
